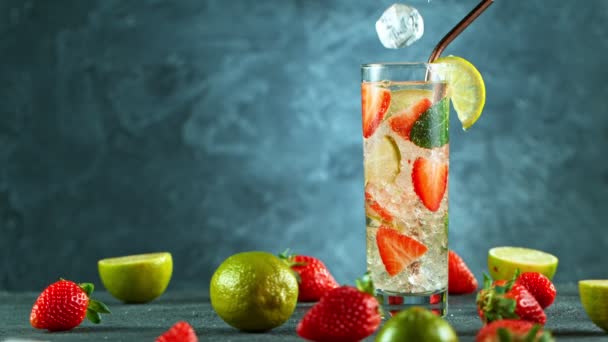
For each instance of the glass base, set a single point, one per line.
(394, 302)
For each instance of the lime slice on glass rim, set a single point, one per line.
(136, 278)
(594, 297)
(467, 89)
(504, 261)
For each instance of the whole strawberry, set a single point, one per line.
(344, 314)
(513, 330)
(539, 286)
(63, 305)
(508, 300)
(179, 332)
(460, 278)
(314, 278)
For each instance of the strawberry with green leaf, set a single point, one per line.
(63, 305)
(508, 299)
(345, 313)
(314, 279)
(539, 286)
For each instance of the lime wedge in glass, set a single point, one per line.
(467, 89)
(382, 162)
(401, 100)
(504, 261)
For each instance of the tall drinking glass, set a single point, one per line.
(406, 160)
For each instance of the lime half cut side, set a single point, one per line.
(467, 89)
(594, 297)
(504, 261)
(136, 278)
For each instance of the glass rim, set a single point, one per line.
(398, 64)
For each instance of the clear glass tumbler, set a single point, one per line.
(406, 161)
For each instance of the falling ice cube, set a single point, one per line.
(399, 26)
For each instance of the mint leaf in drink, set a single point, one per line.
(432, 128)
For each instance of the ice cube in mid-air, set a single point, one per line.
(399, 26)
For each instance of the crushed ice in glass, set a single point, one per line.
(399, 26)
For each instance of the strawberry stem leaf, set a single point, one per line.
(531, 335)
(487, 281)
(87, 288)
(365, 284)
(93, 316)
(503, 335)
(98, 306)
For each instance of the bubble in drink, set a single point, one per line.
(399, 26)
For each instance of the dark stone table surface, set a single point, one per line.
(143, 322)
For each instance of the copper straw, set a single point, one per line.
(462, 25)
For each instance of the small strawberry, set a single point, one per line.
(374, 103)
(375, 207)
(539, 286)
(514, 331)
(314, 278)
(344, 314)
(403, 122)
(510, 300)
(179, 332)
(397, 251)
(430, 179)
(64, 304)
(460, 278)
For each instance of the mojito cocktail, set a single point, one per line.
(406, 161)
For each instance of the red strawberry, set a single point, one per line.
(63, 305)
(403, 122)
(395, 300)
(397, 251)
(314, 278)
(430, 178)
(179, 332)
(374, 103)
(384, 214)
(344, 314)
(513, 330)
(512, 300)
(460, 278)
(539, 286)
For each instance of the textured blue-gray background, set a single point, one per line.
(210, 127)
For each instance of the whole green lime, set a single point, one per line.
(416, 324)
(254, 291)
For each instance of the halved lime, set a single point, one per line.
(504, 261)
(382, 161)
(594, 297)
(403, 99)
(136, 278)
(467, 89)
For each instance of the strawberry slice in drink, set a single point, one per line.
(430, 178)
(403, 122)
(374, 103)
(375, 210)
(397, 251)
